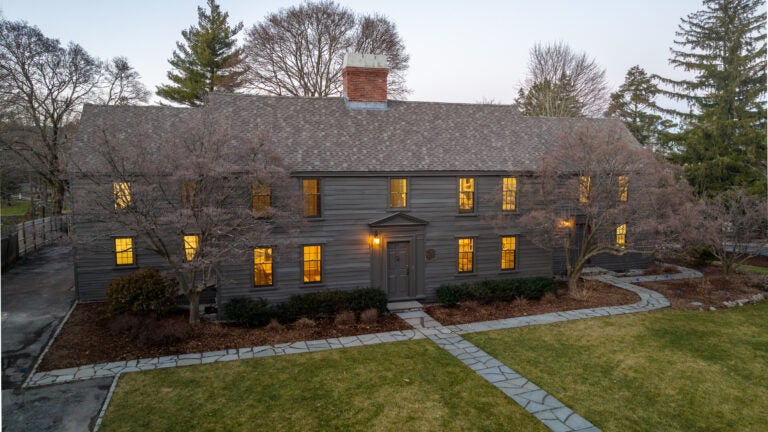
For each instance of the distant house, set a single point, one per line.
(402, 194)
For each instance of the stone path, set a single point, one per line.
(535, 400)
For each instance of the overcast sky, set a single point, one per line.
(461, 51)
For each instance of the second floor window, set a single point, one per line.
(188, 190)
(261, 196)
(585, 184)
(623, 188)
(509, 193)
(466, 195)
(262, 266)
(310, 189)
(122, 194)
(124, 251)
(190, 246)
(398, 192)
(466, 260)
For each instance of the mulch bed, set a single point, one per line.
(598, 294)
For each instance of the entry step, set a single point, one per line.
(405, 306)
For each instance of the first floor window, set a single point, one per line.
(122, 194)
(190, 246)
(398, 192)
(310, 188)
(466, 255)
(508, 248)
(466, 195)
(509, 194)
(124, 251)
(312, 263)
(262, 266)
(621, 236)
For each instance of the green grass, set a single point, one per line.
(670, 370)
(744, 268)
(403, 386)
(17, 208)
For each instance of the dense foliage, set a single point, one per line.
(496, 290)
(143, 291)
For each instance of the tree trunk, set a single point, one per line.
(59, 190)
(194, 307)
(573, 282)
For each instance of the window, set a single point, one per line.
(466, 195)
(311, 190)
(312, 263)
(261, 196)
(188, 194)
(508, 248)
(190, 246)
(262, 266)
(398, 192)
(509, 193)
(466, 255)
(122, 194)
(623, 188)
(585, 183)
(621, 236)
(124, 251)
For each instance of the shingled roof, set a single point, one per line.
(321, 135)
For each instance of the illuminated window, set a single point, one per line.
(262, 196)
(312, 263)
(188, 194)
(311, 190)
(124, 251)
(466, 255)
(190, 246)
(509, 193)
(262, 266)
(466, 195)
(585, 183)
(621, 236)
(623, 188)
(122, 194)
(398, 192)
(508, 248)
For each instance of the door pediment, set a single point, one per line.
(398, 220)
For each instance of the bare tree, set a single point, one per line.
(298, 51)
(122, 84)
(599, 193)
(562, 83)
(189, 196)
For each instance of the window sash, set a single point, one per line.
(190, 246)
(398, 192)
(509, 194)
(312, 264)
(124, 251)
(261, 198)
(508, 252)
(262, 266)
(311, 191)
(623, 188)
(585, 184)
(122, 194)
(188, 190)
(466, 258)
(621, 236)
(466, 195)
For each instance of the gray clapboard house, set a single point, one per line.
(402, 194)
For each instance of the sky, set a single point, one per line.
(460, 51)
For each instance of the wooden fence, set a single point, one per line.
(29, 236)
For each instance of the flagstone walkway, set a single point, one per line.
(538, 402)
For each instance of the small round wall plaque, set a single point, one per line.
(430, 255)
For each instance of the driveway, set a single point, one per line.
(36, 295)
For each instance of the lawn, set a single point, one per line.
(17, 208)
(671, 370)
(745, 268)
(403, 386)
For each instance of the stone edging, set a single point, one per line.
(48, 346)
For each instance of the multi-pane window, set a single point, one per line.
(621, 236)
(310, 188)
(124, 251)
(312, 263)
(466, 195)
(466, 255)
(623, 188)
(188, 194)
(190, 246)
(398, 192)
(509, 193)
(261, 196)
(585, 183)
(508, 248)
(122, 194)
(262, 266)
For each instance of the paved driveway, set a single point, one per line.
(36, 295)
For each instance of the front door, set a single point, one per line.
(399, 269)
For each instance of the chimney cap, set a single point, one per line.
(353, 59)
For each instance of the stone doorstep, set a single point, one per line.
(406, 306)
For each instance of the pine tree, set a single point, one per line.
(208, 59)
(635, 104)
(723, 140)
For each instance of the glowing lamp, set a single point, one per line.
(376, 238)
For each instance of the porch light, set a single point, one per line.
(376, 238)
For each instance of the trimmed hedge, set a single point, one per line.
(142, 291)
(257, 313)
(496, 290)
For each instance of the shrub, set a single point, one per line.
(142, 291)
(346, 318)
(305, 323)
(165, 333)
(249, 313)
(496, 290)
(701, 256)
(275, 326)
(369, 316)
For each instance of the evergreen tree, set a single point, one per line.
(635, 104)
(208, 59)
(723, 140)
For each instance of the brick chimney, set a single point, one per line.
(365, 81)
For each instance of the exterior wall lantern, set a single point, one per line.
(376, 238)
